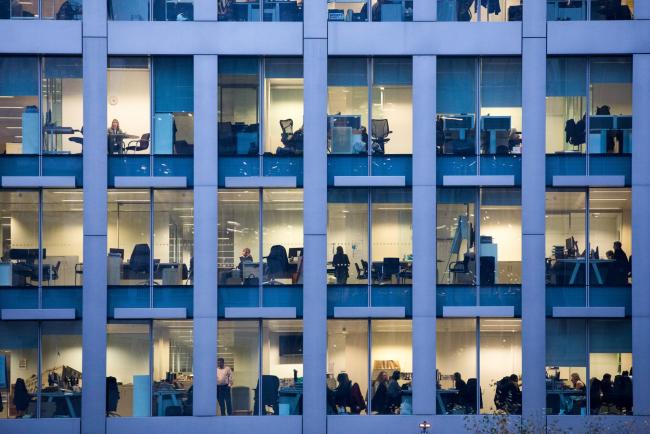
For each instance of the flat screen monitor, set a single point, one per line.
(458, 122)
(290, 345)
(624, 122)
(352, 121)
(294, 252)
(4, 381)
(601, 122)
(116, 252)
(492, 123)
(28, 255)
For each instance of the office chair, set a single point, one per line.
(139, 261)
(241, 400)
(380, 132)
(389, 268)
(361, 274)
(277, 263)
(270, 395)
(138, 145)
(112, 396)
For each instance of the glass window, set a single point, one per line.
(249, 10)
(61, 9)
(456, 106)
(239, 106)
(609, 10)
(62, 234)
(392, 10)
(566, 10)
(455, 236)
(347, 105)
(283, 10)
(392, 106)
(173, 121)
(283, 106)
(128, 10)
(129, 105)
(19, 376)
(485, 10)
(363, 380)
(501, 116)
(19, 118)
(610, 101)
(174, 10)
(342, 10)
(19, 231)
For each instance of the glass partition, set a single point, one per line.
(19, 212)
(19, 118)
(249, 10)
(19, 356)
(347, 10)
(129, 105)
(145, 10)
(49, 9)
(128, 10)
(612, 10)
(455, 236)
(473, 10)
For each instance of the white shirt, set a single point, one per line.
(224, 376)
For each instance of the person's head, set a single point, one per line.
(20, 385)
(382, 377)
(396, 375)
(625, 374)
(220, 362)
(514, 378)
(609, 254)
(339, 250)
(115, 124)
(457, 376)
(343, 378)
(607, 377)
(246, 251)
(575, 377)
(617, 245)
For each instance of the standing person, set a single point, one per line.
(621, 264)
(379, 402)
(21, 398)
(394, 393)
(341, 264)
(224, 383)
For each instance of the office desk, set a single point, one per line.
(51, 131)
(289, 398)
(168, 398)
(576, 263)
(571, 400)
(377, 270)
(67, 396)
(445, 399)
(561, 10)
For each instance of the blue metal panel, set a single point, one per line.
(18, 298)
(391, 296)
(608, 164)
(346, 165)
(602, 296)
(502, 295)
(237, 166)
(64, 165)
(455, 165)
(124, 296)
(175, 165)
(57, 297)
(562, 296)
(19, 165)
(502, 165)
(564, 164)
(283, 296)
(454, 295)
(173, 79)
(133, 165)
(237, 296)
(394, 165)
(174, 296)
(283, 166)
(346, 295)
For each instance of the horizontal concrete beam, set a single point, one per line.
(588, 181)
(38, 181)
(478, 311)
(150, 182)
(260, 312)
(369, 181)
(261, 182)
(150, 313)
(37, 314)
(588, 312)
(369, 312)
(478, 180)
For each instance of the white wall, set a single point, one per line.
(396, 105)
(129, 100)
(283, 101)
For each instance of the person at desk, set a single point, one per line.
(621, 264)
(224, 383)
(341, 264)
(394, 393)
(459, 383)
(115, 138)
(576, 382)
(245, 257)
(379, 400)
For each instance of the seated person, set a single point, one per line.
(115, 138)
(245, 257)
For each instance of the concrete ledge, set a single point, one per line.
(589, 312)
(369, 181)
(37, 314)
(150, 313)
(40, 36)
(38, 181)
(478, 180)
(478, 311)
(260, 312)
(369, 312)
(588, 181)
(201, 425)
(261, 182)
(150, 182)
(33, 426)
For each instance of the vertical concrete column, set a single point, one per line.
(425, 10)
(315, 224)
(315, 19)
(424, 234)
(641, 233)
(533, 290)
(205, 10)
(95, 163)
(205, 230)
(642, 10)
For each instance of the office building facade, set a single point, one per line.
(315, 216)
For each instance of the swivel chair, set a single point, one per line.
(380, 132)
(138, 145)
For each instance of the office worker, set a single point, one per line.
(576, 382)
(379, 402)
(394, 393)
(224, 383)
(621, 264)
(115, 140)
(341, 264)
(21, 398)
(245, 257)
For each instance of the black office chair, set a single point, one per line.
(140, 261)
(380, 132)
(112, 396)
(138, 145)
(470, 395)
(291, 140)
(361, 274)
(277, 264)
(389, 268)
(270, 394)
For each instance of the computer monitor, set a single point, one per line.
(624, 122)
(27, 255)
(458, 122)
(571, 246)
(352, 121)
(601, 122)
(116, 252)
(501, 123)
(294, 252)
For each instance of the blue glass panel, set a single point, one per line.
(175, 165)
(63, 67)
(565, 164)
(283, 296)
(602, 296)
(456, 87)
(283, 67)
(610, 336)
(175, 296)
(347, 71)
(392, 70)
(237, 166)
(562, 296)
(238, 65)
(399, 295)
(608, 164)
(611, 70)
(173, 80)
(18, 298)
(454, 295)
(502, 295)
(64, 165)
(57, 297)
(128, 10)
(396, 165)
(135, 165)
(19, 165)
(237, 296)
(566, 76)
(283, 166)
(454, 165)
(346, 295)
(19, 76)
(346, 165)
(124, 296)
(502, 165)
(501, 82)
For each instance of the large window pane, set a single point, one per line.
(282, 367)
(347, 10)
(18, 378)
(456, 106)
(392, 10)
(456, 366)
(392, 106)
(392, 229)
(566, 366)
(62, 88)
(238, 377)
(455, 238)
(128, 381)
(128, 10)
(164, 10)
(173, 105)
(19, 118)
(473, 10)
(238, 230)
(173, 226)
(19, 10)
(283, 106)
(500, 369)
(566, 100)
(283, 10)
(238, 106)
(609, 10)
(610, 92)
(62, 237)
(501, 10)
(239, 10)
(566, 10)
(347, 366)
(501, 116)
(129, 105)
(129, 248)
(19, 231)
(347, 106)
(173, 346)
(61, 369)
(565, 237)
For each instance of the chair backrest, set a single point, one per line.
(358, 270)
(390, 266)
(143, 143)
(277, 260)
(270, 388)
(364, 264)
(112, 394)
(287, 126)
(140, 257)
(241, 399)
(380, 128)
(174, 410)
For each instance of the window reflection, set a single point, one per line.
(271, 10)
(485, 10)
